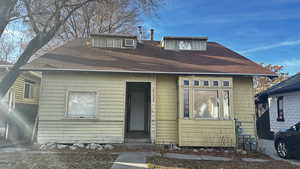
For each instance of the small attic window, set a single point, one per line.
(185, 45)
(128, 42)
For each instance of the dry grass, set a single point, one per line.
(166, 163)
(64, 160)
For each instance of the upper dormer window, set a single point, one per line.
(114, 41)
(185, 43)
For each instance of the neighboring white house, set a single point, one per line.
(284, 103)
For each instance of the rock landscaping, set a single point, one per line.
(91, 146)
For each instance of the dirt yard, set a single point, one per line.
(165, 163)
(68, 160)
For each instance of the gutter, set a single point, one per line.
(147, 72)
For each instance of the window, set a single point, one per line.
(128, 42)
(185, 45)
(196, 83)
(186, 102)
(186, 83)
(206, 83)
(226, 104)
(28, 90)
(226, 83)
(81, 104)
(216, 83)
(206, 104)
(280, 111)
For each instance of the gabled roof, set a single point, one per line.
(148, 57)
(292, 84)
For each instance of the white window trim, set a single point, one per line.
(66, 116)
(220, 88)
(126, 45)
(31, 84)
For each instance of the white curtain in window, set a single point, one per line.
(82, 104)
(206, 104)
(226, 104)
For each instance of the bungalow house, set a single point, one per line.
(21, 101)
(281, 104)
(117, 88)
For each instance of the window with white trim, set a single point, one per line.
(81, 104)
(206, 104)
(280, 112)
(226, 104)
(209, 99)
(28, 90)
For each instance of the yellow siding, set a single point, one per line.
(167, 126)
(243, 95)
(109, 123)
(211, 133)
(19, 90)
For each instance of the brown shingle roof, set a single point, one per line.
(4, 63)
(148, 57)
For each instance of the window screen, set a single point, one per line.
(82, 104)
(206, 104)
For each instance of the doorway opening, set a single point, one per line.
(138, 112)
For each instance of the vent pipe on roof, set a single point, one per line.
(151, 34)
(140, 33)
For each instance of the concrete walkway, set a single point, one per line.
(267, 147)
(137, 160)
(133, 160)
(195, 157)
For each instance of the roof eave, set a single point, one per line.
(149, 72)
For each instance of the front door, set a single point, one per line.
(138, 108)
(137, 111)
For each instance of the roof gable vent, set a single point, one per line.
(185, 43)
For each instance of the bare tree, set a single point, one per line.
(7, 12)
(263, 83)
(45, 18)
(112, 16)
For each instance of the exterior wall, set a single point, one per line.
(107, 127)
(291, 106)
(210, 133)
(243, 106)
(167, 113)
(19, 86)
(167, 123)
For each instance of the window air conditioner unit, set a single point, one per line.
(129, 43)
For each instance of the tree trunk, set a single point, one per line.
(35, 44)
(6, 7)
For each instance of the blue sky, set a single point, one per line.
(266, 31)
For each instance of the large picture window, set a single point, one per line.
(280, 111)
(206, 98)
(81, 104)
(206, 104)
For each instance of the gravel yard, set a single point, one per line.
(166, 163)
(53, 160)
